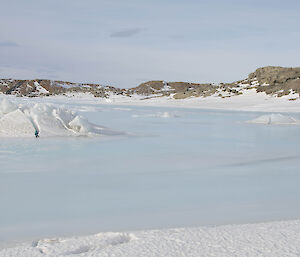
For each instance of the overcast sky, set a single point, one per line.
(126, 42)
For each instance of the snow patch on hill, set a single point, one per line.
(40, 89)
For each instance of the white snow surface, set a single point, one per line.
(275, 119)
(47, 120)
(263, 239)
(250, 100)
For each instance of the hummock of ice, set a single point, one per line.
(6, 107)
(47, 120)
(275, 119)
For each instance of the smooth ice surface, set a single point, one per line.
(188, 168)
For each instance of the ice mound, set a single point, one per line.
(275, 119)
(16, 123)
(7, 107)
(45, 120)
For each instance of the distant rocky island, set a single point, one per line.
(276, 81)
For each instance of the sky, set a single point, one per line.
(126, 42)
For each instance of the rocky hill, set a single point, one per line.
(42, 87)
(277, 81)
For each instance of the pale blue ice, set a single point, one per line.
(177, 167)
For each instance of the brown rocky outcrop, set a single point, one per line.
(273, 80)
(277, 80)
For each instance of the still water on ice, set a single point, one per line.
(177, 167)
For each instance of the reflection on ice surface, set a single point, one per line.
(203, 167)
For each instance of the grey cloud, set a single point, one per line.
(127, 32)
(8, 44)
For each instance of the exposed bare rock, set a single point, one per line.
(148, 88)
(179, 90)
(42, 87)
(277, 80)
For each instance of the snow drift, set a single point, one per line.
(262, 239)
(275, 119)
(46, 120)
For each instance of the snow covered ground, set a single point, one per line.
(176, 167)
(276, 239)
(250, 100)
